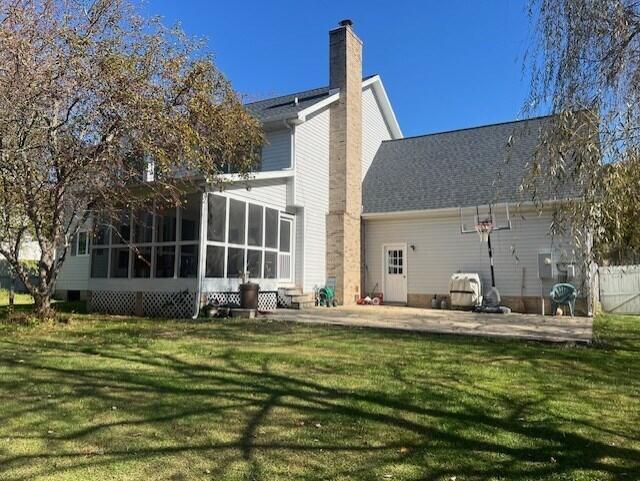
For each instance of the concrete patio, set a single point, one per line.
(519, 326)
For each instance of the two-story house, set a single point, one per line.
(339, 194)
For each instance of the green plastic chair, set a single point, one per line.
(563, 294)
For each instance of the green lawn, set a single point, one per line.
(20, 299)
(131, 399)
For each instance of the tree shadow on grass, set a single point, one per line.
(259, 399)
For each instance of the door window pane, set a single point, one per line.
(217, 218)
(271, 228)
(255, 225)
(270, 265)
(143, 227)
(188, 261)
(190, 220)
(254, 264)
(120, 262)
(142, 262)
(236, 221)
(215, 261)
(82, 243)
(285, 235)
(165, 261)
(166, 225)
(99, 263)
(235, 262)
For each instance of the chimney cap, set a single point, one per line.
(347, 22)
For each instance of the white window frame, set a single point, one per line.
(246, 246)
(87, 244)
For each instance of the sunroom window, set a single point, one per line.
(244, 237)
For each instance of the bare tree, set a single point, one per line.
(584, 63)
(90, 92)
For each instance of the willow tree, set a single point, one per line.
(584, 63)
(90, 93)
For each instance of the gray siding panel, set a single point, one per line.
(312, 193)
(276, 152)
(441, 250)
(374, 128)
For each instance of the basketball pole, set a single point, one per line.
(493, 276)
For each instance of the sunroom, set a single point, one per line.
(167, 261)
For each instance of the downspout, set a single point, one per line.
(201, 252)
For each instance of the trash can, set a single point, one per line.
(249, 295)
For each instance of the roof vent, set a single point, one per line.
(295, 101)
(347, 22)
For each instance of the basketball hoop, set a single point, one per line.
(484, 228)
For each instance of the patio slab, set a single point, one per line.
(519, 326)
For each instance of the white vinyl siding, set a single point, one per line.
(312, 193)
(276, 152)
(374, 128)
(74, 274)
(441, 250)
(269, 192)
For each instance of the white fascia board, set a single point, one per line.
(303, 114)
(385, 105)
(275, 174)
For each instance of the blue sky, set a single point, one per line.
(445, 65)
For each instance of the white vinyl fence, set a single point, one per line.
(620, 289)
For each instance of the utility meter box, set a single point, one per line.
(545, 265)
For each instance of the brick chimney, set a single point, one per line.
(345, 167)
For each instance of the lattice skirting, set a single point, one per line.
(154, 304)
(283, 299)
(122, 303)
(169, 304)
(267, 300)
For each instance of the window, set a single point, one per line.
(217, 218)
(83, 243)
(190, 219)
(215, 261)
(243, 236)
(165, 261)
(285, 235)
(236, 221)
(189, 261)
(166, 225)
(121, 229)
(142, 262)
(74, 246)
(254, 263)
(99, 263)
(143, 227)
(255, 225)
(270, 265)
(271, 228)
(101, 234)
(120, 262)
(235, 262)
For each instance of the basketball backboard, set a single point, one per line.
(496, 214)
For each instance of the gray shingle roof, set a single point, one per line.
(285, 107)
(461, 168)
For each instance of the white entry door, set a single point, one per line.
(395, 273)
